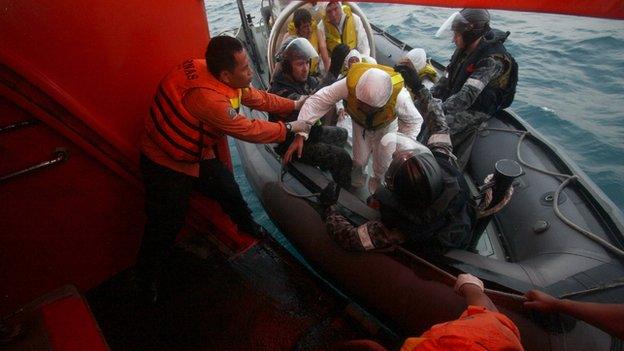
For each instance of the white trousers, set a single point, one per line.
(365, 143)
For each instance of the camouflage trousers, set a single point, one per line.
(368, 236)
(464, 126)
(325, 149)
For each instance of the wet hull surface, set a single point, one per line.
(258, 300)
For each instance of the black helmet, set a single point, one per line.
(472, 24)
(415, 177)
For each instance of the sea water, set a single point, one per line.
(571, 79)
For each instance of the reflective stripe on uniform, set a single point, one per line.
(365, 238)
(475, 83)
(439, 138)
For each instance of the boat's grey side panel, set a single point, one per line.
(560, 251)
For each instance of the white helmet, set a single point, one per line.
(374, 87)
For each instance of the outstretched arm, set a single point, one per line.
(435, 121)
(317, 105)
(608, 317)
(471, 288)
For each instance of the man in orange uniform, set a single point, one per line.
(480, 328)
(195, 107)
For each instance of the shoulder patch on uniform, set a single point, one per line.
(232, 112)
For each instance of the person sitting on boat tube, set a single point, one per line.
(196, 106)
(340, 26)
(302, 26)
(425, 201)
(325, 146)
(480, 327)
(480, 79)
(377, 103)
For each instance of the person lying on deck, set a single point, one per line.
(425, 200)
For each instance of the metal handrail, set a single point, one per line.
(18, 125)
(59, 155)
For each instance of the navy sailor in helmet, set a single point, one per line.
(480, 79)
(425, 201)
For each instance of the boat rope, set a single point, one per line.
(482, 209)
(567, 178)
(515, 297)
(573, 225)
(614, 284)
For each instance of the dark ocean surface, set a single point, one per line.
(571, 78)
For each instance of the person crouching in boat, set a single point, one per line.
(325, 145)
(377, 103)
(480, 79)
(480, 327)
(425, 201)
(195, 108)
(303, 26)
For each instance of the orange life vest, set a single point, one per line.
(176, 131)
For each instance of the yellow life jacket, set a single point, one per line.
(349, 34)
(313, 39)
(386, 115)
(428, 72)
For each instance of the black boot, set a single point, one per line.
(329, 195)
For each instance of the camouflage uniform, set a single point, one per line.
(477, 85)
(374, 234)
(325, 145)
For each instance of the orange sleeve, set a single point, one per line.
(267, 102)
(476, 329)
(215, 109)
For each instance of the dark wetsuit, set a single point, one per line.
(325, 145)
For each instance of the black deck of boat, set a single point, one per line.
(259, 300)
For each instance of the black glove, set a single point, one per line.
(329, 195)
(410, 77)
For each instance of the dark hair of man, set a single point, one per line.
(337, 58)
(220, 54)
(301, 16)
(331, 3)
